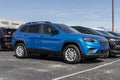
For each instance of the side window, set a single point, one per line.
(86, 31)
(24, 29)
(0, 34)
(34, 29)
(82, 30)
(0, 31)
(47, 29)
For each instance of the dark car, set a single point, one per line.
(115, 34)
(114, 42)
(6, 37)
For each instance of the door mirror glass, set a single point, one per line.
(54, 31)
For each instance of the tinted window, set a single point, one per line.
(114, 33)
(47, 29)
(94, 32)
(66, 28)
(0, 31)
(7, 30)
(105, 33)
(10, 31)
(82, 30)
(34, 29)
(3, 30)
(24, 29)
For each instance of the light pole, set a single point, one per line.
(112, 15)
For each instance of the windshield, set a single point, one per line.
(115, 34)
(94, 31)
(104, 33)
(66, 28)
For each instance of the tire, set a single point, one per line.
(112, 55)
(107, 55)
(21, 51)
(0, 46)
(71, 54)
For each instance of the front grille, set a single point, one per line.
(8, 39)
(118, 43)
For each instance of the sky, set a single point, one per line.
(89, 13)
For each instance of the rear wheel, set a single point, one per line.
(71, 54)
(21, 51)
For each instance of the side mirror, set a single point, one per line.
(54, 32)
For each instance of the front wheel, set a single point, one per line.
(71, 54)
(107, 54)
(21, 51)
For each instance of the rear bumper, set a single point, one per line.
(99, 54)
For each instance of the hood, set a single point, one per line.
(99, 38)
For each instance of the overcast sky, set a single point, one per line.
(91, 13)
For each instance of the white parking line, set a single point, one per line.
(73, 74)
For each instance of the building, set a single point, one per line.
(10, 23)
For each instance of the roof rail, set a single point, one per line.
(38, 22)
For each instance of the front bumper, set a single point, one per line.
(115, 49)
(115, 52)
(6, 45)
(99, 54)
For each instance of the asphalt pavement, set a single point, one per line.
(53, 68)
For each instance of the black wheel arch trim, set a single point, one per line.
(71, 42)
(19, 41)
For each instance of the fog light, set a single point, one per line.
(92, 50)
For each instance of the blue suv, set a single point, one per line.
(51, 38)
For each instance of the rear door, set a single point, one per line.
(33, 36)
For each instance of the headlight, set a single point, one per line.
(112, 39)
(89, 39)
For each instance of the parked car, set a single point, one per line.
(6, 38)
(114, 42)
(57, 39)
(115, 34)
